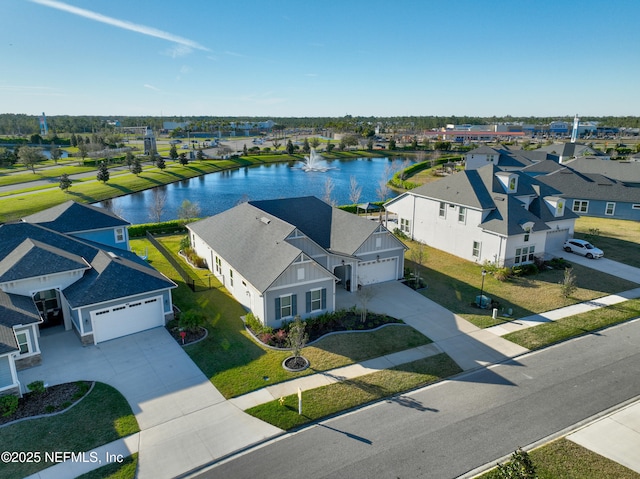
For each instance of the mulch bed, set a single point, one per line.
(190, 336)
(53, 399)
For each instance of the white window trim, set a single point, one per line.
(475, 252)
(442, 210)
(578, 204)
(319, 300)
(613, 208)
(119, 234)
(462, 214)
(290, 306)
(30, 348)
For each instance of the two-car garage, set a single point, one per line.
(378, 271)
(128, 318)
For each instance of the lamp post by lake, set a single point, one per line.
(480, 303)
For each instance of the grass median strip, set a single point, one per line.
(327, 400)
(124, 470)
(101, 417)
(572, 326)
(563, 459)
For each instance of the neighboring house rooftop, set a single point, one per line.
(30, 250)
(481, 189)
(570, 150)
(624, 171)
(590, 187)
(543, 167)
(72, 217)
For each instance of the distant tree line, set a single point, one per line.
(27, 125)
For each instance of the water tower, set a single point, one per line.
(574, 132)
(149, 142)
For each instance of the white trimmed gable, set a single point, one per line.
(509, 181)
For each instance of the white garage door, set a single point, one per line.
(555, 240)
(371, 272)
(129, 318)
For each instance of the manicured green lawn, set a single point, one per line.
(324, 401)
(563, 459)
(619, 239)
(454, 283)
(235, 363)
(124, 470)
(562, 329)
(101, 417)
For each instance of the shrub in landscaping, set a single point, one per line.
(36, 387)
(8, 405)
(502, 274)
(256, 326)
(520, 467)
(191, 320)
(174, 226)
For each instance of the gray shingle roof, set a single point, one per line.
(113, 277)
(33, 259)
(570, 149)
(251, 240)
(114, 273)
(573, 184)
(625, 171)
(480, 189)
(71, 217)
(251, 236)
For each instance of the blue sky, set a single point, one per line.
(320, 58)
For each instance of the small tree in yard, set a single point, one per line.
(173, 153)
(103, 172)
(183, 159)
(364, 296)
(65, 182)
(568, 283)
(418, 255)
(297, 337)
(136, 167)
(520, 467)
(160, 163)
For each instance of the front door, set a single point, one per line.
(49, 306)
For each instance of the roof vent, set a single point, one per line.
(265, 220)
(112, 254)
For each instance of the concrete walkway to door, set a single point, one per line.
(184, 421)
(469, 346)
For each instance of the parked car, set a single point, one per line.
(582, 247)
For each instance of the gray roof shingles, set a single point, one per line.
(14, 310)
(71, 217)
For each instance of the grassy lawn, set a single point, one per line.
(454, 283)
(124, 470)
(549, 333)
(618, 239)
(324, 401)
(103, 416)
(563, 459)
(235, 364)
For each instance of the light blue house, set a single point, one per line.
(70, 267)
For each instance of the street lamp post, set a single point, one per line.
(484, 273)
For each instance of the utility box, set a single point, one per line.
(483, 301)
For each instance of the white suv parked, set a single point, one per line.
(582, 247)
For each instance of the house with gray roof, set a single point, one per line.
(282, 258)
(627, 172)
(56, 273)
(505, 158)
(597, 195)
(486, 215)
(568, 151)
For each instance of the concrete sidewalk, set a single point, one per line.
(554, 315)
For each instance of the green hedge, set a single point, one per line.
(173, 226)
(354, 208)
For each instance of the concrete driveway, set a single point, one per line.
(604, 265)
(466, 344)
(185, 422)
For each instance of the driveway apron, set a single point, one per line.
(184, 420)
(469, 346)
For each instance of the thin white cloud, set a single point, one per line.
(134, 27)
(178, 51)
(151, 87)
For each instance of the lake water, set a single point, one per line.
(217, 192)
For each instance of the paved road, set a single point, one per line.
(451, 428)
